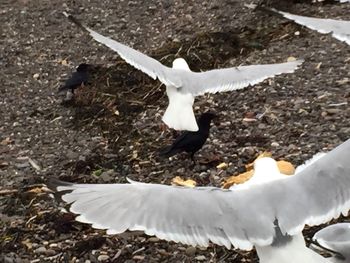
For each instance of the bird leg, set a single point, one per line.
(193, 163)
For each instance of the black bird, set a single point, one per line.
(189, 141)
(78, 78)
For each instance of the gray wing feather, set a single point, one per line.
(242, 217)
(228, 79)
(335, 237)
(192, 82)
(146, 64)
(340, 29)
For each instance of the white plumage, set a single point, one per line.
(182, 84)
(340, 29)
(336, 238)
(268, 215)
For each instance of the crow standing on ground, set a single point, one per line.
(78, 78)
(188, 141)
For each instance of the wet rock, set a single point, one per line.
(107, 176)
(103, 258)
(153, 239)
(50, 252)
(7, 259)
(190, 251)
(40, 250)
(201, 258)
(275, 144)
(22, 165)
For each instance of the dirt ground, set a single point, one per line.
(112, 129)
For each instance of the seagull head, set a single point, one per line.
(180, 63)
(265, 170)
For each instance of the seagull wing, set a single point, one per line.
(241, 217)
(146, 64)
(228, 79)
(192, 82)
(335, 237)
(340, 29)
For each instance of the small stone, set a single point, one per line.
(107, 176)
(343, 81)
(180, 170)
(275, 144)
(190, 251)
(163, 252)
(189, 17)
(201, 258)
(40, 250)
(297, 33)
(138, 257)
(153, 239)
(222, 166)
(249, 150)
(8, 259)
(50, 252)
(181, 248)
(333, 111)
(261, 126)
(36, 76)
(249, 120)
(203, 175)
(22, 165)
(53, 245)
(103, 258)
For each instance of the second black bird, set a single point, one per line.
(78, 78)
(188, 141)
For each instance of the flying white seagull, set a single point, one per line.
(336, 238)
(182, 84)
(268, 215)
(340, 29)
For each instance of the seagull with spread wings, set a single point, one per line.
(269, 213)
(182, 84)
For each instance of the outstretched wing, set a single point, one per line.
(228, 79)
(241, 217)
(340, 29)
(192, 82)
(146, 64)
(335, 237)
